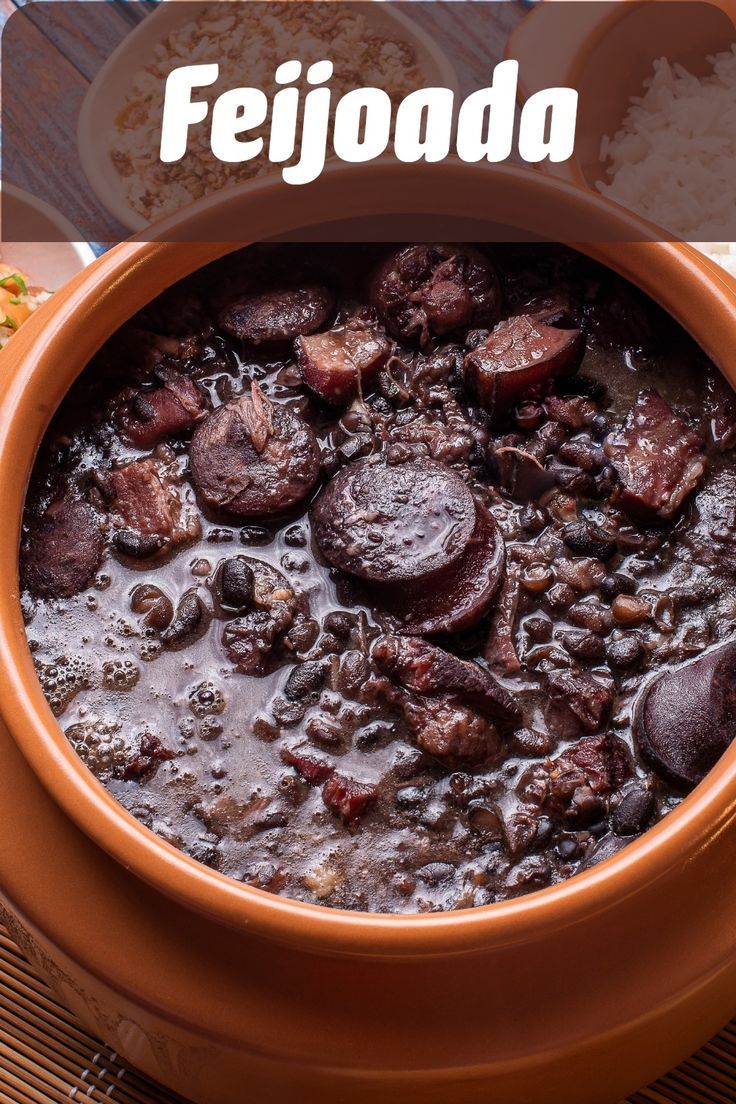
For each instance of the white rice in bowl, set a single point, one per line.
(673, 158)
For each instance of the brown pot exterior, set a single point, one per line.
(574, 995)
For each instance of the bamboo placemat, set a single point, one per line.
(47, 1058)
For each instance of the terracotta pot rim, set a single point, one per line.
(690, 287)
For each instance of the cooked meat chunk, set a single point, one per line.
(658, 458)
(146, 509)
(576, 703)
(340, 363)
(145, 417)
(151, 753)
(518, 359)
(424, 668)
(711, 538)
(449, 730)
(604, 761)
(347, 797)
(252, 641)
(455, 710)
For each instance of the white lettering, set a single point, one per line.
(366, 110)
(234, 112)
(485, 125)
(560, 105)
(424, 125)
(284, 114)
(179, 111)
(314, 129)
(363, 118)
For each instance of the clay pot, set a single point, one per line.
(577, 994)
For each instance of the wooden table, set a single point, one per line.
(45, 1057)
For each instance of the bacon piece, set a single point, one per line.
(145, 417)
(146, 509)
(310, 767)
(337, 364)
(657, 457)
(518, 359)
(604, 761)
(346, 797)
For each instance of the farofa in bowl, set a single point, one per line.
(363, 55)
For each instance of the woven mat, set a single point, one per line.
(46, 1058)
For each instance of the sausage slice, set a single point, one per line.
(685, 719)
(61, 556)
(457, 597)
(424, 289)
(393, 522)
(253, 457)
(278, 315)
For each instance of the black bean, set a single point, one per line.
(137, 545)
(412, 797)
(568, 847)
(188, 621)
(305, 681)
(474, 338)
(358, 445)
(584, 645)
(236, 585)
(616, 584)
(354, 670)
(600, 427)
(560, 596)
(287, 713)
(624, 653)
(532, 519)
(155, 606)
(295, 537)
(325, 733)
(340, 624)
(586, 539)
(484, 821)
(433, 874)
(373, 734)
(538, 628)
(528, 741)
(633, 812)
(302, 634)
(254, 534)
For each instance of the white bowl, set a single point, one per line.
(107, 92)
(49, 264)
